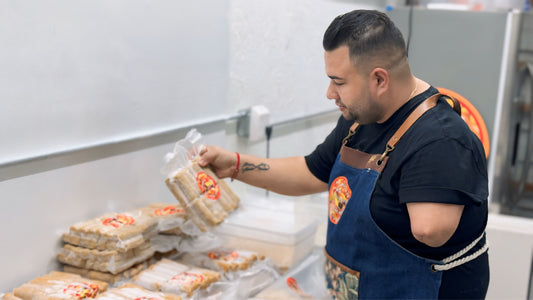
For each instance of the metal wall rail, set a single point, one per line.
(59, 159)
(86, 153)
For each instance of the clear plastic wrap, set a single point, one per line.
(165, 242)
(176, 278)
(169, 217)
(222, 259)
(111, 261)
(110, 278)
(113, 231)
(203, 242)
(206, 198)
(247, 271)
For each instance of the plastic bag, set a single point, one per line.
(175, 277)
(206, 198)
(185, 150)
(113, 231)
(60, 285)
(247, 271)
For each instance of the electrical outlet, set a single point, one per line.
(253, 122)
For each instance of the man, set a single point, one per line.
(407, 179)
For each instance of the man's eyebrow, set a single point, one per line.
(335, 77)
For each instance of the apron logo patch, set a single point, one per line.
(339, 194)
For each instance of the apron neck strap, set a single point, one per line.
(411, 119)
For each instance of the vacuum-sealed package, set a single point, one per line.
(206, 198)
(131, 291)
(176, 278)
(60, 285)
(121, 277)
(248, 271)
(113, 231)
(111, 261)
(107, 276)
(224, 260)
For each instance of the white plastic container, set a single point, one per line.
(283, 237)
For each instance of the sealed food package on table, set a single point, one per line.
(131, 291)
(206, 198)
(60, 285)
(176, 278)
(248, 271)
(224, 260)
(113, 231)
(111, 261)
(122, 277)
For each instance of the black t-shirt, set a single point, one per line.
(438, 159)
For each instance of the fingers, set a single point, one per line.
(221, 161)
(205, 157)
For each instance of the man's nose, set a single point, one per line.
(331, 92)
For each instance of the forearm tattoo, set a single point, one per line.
(250, 167)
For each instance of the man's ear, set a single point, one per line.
(380, 80)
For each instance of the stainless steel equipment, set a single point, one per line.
(519, 186)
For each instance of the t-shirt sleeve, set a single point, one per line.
(321, 160)
(445, 171)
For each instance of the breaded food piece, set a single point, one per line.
(127, 274)
(224, 259)
(175, 277)
(111, 261)
(60, 285)
(106, 276)
(131, 291)
(113, 231)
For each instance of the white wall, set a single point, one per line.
(81, 73)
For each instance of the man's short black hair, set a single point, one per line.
(370, 36)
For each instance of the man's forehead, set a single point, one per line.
(338, 62)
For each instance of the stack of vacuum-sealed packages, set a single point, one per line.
(161, 251)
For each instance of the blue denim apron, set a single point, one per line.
(362, 261)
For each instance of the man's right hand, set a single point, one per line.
(223, 162)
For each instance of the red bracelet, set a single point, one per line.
(236, 167)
